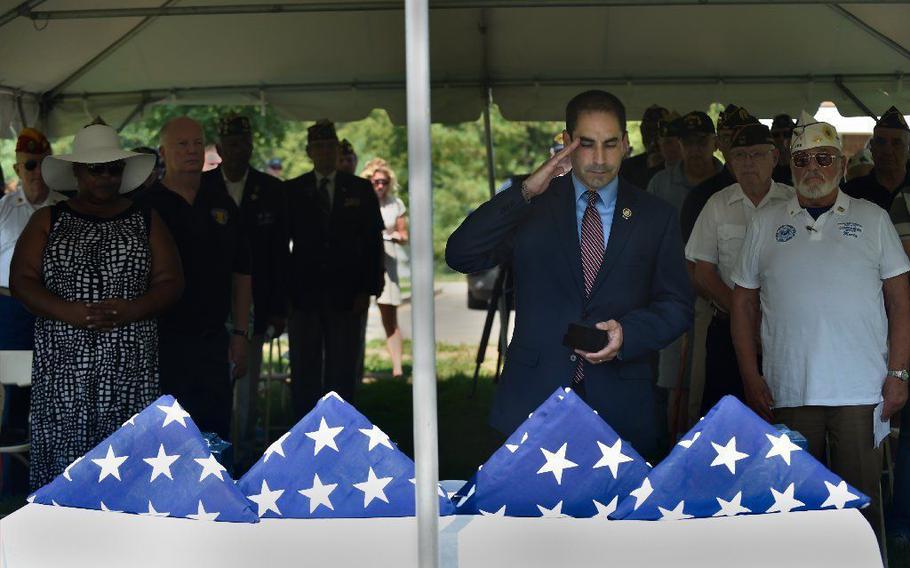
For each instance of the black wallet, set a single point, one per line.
(584, 338)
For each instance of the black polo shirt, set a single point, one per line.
(867, 187)
(635, 170)
(698, 198)
(212, 246)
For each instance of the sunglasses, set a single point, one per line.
(111, 168)
(823, 159)
(381, 182)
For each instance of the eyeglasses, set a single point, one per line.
(381, 182)
(823, 159)
(754, 156)
(111, 168)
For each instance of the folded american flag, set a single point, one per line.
(156, 464)
(333, 463)
(734, 463)
(564, 460)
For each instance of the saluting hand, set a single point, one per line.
(559, 164)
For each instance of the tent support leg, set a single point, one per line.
(133, 114)
(420, 187)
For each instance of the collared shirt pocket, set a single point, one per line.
(730, 239)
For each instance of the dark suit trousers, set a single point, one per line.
(194, 368)
(325, 345)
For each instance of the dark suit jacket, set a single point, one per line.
(642, 284)
(263, 212)
(340, 258)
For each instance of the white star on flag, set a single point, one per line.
(174, 413)
(501, 512)
(642, 493)
(688, 443)
(373, 488)
(467, 496)
(276, 447)
(674, 514)
(131, 421)
(732, 507)
(514, 447)
(104, 508)
(266, 499)
(377, 437)
(606, 510)
(554, 513)
(161, 464)
(210, 466)
(612, 456)
(202, 515)
(838, 495)
(319, 493)
(781, 446)
(153, 513)
(784, 502)
(66, 472)
(109, 464)
(324, 436)
(556, 463)
(727, 455)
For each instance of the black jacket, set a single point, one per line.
(263, 213)
(337, 258)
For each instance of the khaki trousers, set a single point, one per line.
(848, 433)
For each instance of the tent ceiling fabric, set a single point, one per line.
(341, 64)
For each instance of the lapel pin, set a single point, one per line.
(626, 213)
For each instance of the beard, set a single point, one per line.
(817, 191)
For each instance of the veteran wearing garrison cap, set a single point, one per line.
(715, 245)
(263, 215)
(639, 170)
(16, 208)
(336, 265)
(890, 147)
(827, 277)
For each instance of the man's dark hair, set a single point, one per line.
(594, 101)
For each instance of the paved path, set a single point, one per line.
(455, 323)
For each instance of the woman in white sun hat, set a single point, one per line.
(95, 270)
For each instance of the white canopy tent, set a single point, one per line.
(66, 61)
(69, 60)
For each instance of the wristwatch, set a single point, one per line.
(900, 374)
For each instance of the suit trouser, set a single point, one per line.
(848, 433)
(900, 508)
(246, 395)
(721, 367)
(324, 354)
(194, 368)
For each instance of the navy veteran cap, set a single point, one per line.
(892, 118)
(668, 127)
(696, 122)
(751, 135)
(324, 129)
(733, 117)
(233, 125)
(346, 148)
(782, 122)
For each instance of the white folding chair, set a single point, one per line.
(16, 370)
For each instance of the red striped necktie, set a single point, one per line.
(592, 253)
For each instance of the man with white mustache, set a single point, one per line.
(825, 277)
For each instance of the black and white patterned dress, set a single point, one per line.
(86, 383)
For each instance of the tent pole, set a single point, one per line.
(487, 94)
(856, 100)
(420, 187)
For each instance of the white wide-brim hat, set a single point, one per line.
(96, 144)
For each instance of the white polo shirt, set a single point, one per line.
(721, 227)
(15, 211)
(824, 330)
